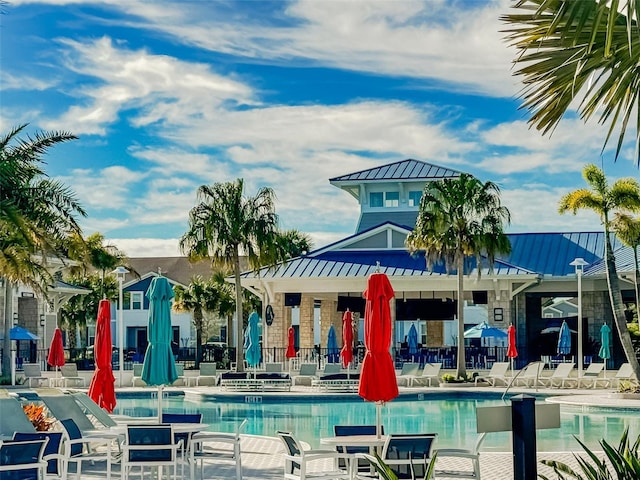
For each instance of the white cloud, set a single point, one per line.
(147, 247)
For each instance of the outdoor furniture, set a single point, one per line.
(625, 373)
(560, 375)
(209, 445)
(70, 374)
(498, 373)
(306, 375)
(13, 419)
(92, 408)
(430, 372)
(297, 460)
(183, 437)
(208, 374)
(273, 367)
(408, 456)
(149, 446)
(22, 459)
(409, 371)
(350, 430)
(261, 382)
(32, 372)
(79, 448)
(591, 375)
(64, 407)
(529, 376)
(337, 382)
(331, 368)
(473, 455)
(136, 380)
(52, 453)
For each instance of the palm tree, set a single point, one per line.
(604, 199)
(198, 297)
(224, 226)
(36, 215)
(587, 49)
(294, 243)
(627, 229)
(458, 218)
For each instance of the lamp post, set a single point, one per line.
(120, 273)
(579, 265)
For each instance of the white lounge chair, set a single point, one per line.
(32, 372)
(409, 371)
(591, 376)
(624, 373)
(498, 373)
(530, 375)
(208, 374)
(70, 374)
(560, 375)
(430, 372)
(306, 375)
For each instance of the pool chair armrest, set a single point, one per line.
(455, 452)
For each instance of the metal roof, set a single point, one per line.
(409, 169)
(370, 220)
(551, 253)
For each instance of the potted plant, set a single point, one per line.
(36, 415)
(451, 380)
(385, 473)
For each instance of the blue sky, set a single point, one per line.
(167, 96)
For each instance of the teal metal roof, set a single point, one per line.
(409, 169)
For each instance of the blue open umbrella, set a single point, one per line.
(333, 352)
(252, 341)
(564, 339)
(159, 366)
(18, 333)
(484, 330)
(412, 340)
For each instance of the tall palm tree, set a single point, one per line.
(458, 218)
(225, 225)
(294, 243)
(586, 50)
(36, 215)
(198, 297)
(603, 199)
(627, 229)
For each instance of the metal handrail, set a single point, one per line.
(516, 376)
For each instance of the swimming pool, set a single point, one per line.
(451, 415)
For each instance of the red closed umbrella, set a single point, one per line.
(56, 351)
(512, 352)
(378, 378)
(347, 339)
(102, 389)
(291, 349)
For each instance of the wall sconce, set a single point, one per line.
(42, 320)
(498, 315)
(15, 318)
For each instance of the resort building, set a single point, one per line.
(310, 293)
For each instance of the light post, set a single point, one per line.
(120, 273)
(579, 265)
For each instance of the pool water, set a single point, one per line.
(453, 417)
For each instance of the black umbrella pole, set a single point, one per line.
(523, 425)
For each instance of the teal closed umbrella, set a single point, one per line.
(159, 364)
(605, 345)
(252, 341)
(333, 353)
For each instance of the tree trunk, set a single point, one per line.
(461, 370)
(635, 282)
(239, 339)
(617, 306)
(8, 320)
(197, 323)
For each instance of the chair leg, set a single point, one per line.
(236, 449)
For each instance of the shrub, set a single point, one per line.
(451, 378)
(622, 462)
(385, 473)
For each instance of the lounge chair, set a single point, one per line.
(32, 372)
(23, 459)
(13, 419)
(90, 407)
(180, 372)
(529, 376)
(217, 446)
(136, 380)
(591, 376)
(331, 368)
(306, 375)
(625, 374)
(79, 448)
(409, 371)
(497, 374)
(63, 407)
(149, 446)
(70, 374)
(208, 374)
(297, 460)
(344, 430)
(273, 367)
(430, 372)
(456, 453)
(562, 374)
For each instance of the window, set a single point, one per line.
(414, 198)
(136, 301)
(392, 199)
(376, 199)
